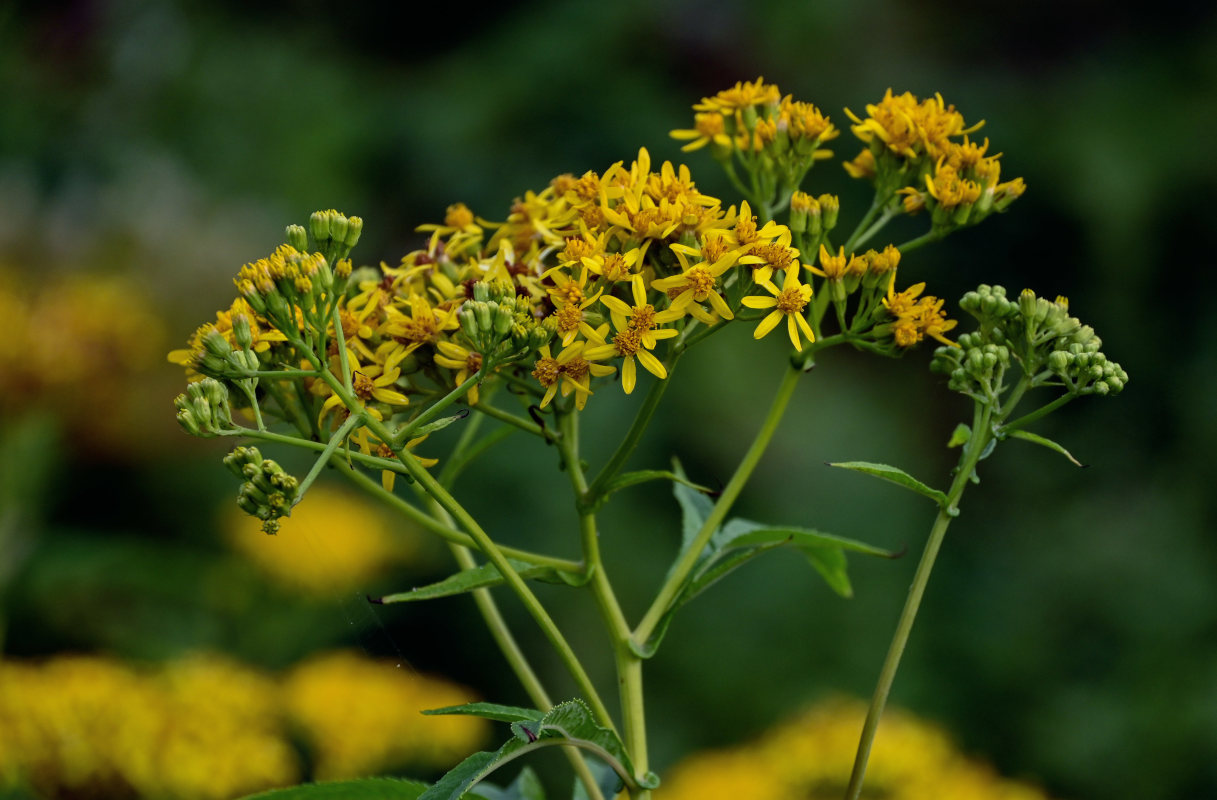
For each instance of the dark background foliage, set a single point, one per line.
(1070, 633)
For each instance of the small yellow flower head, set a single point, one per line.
(745, 95)
(788, 302)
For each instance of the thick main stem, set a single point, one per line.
(629, 666)
(891, 663)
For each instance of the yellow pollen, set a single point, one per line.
(644, 318)
(458, 216)
(701, 282)
(628, 342)
(546, 371)
(791, 301)
(614, 267)
(569, 318)
(577, 368)
(363, 385)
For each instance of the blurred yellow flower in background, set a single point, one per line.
(363, 717)
(334, 542)
(810, 757)
(207, 728)
(87, 726)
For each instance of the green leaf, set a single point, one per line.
(695, 507)
(746, 533)
(439, 424)
(570, 723)
(960, 435)
(526, 786)
(480, 577)
(363, 789)
(829, 561)
(1044, 441)
(896, 476)
(610, 782)
(494, 711)
(628, 479)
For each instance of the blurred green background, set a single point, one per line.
(1070, 633)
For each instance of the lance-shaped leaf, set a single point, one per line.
(1044, 441)
(494, 711)
(569, 724)
(695, 507)
(896, 476)
(628, 479)
(482, 577)
(363, 789)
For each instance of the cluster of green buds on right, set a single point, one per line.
(203, 409)
(267, 492)
(499, 327)
(1050, 348)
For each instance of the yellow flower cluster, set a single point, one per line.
(334, 542)
(811, 756)
(755, 117)
(206, 728)
(77, 333)
(362, 717)
(917, 317)
(917, 145)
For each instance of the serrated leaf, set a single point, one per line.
(363, 789)
(483, 576)
(494, 711)
(1044, 441)
(894, 475)
(526, 786)
(960, 435)
(570, 723)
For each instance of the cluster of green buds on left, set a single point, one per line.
(267, 492)
(498, 327)
(203, 409)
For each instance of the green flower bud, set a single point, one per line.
(185, 418)
(502, 320)
(481, 291)
(830, 207)
(1059, 360)
(339, 225)
(482, 311)
(297, 237)
(1027, 304)
(319, 226)
(354, 229)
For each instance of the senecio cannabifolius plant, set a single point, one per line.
(512, 327)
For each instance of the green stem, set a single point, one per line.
(629, 442)
(875, 207)
(435, 408)
(913, 244)
(248, 391)
(309, 444)
(854, 243)
(338, 438)
(1043, 410)
(516, 659)
(525, 425)
(629, 666)
(976, 445)
(340, 340)
(446, 532)
(680, 572)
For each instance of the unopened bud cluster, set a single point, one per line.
(1049, 345)
(267, 492)
(203, 409)
(497, 326)
(334, 233)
